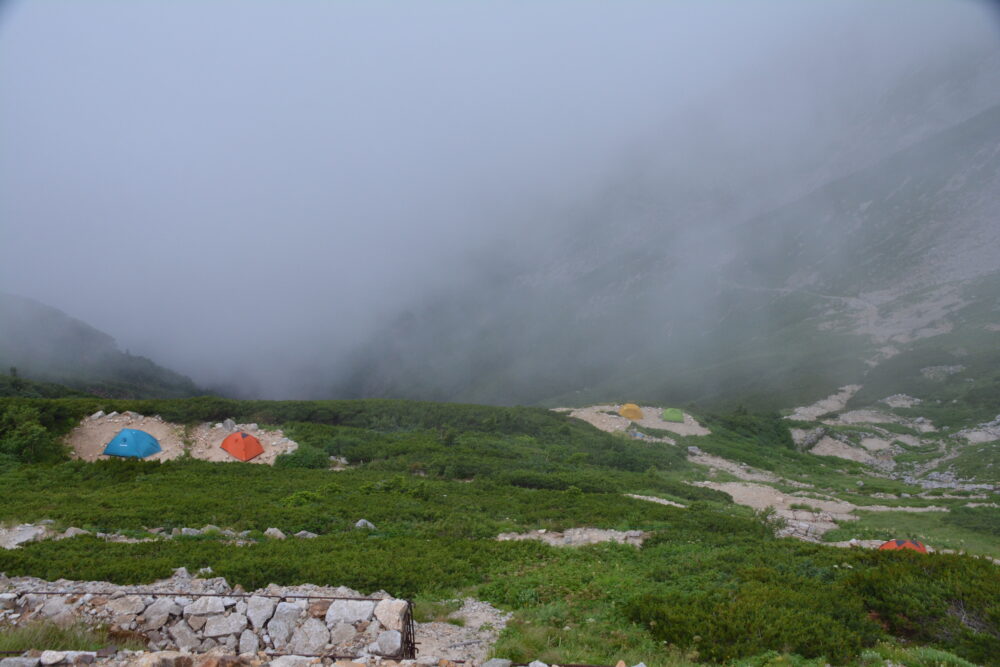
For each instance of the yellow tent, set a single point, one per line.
(631, 411)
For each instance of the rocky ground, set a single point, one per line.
(88, 440)
(575, 537)
(807, 524)
(192, 616)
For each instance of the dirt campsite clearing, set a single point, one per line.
(88, 440)
(606, 418)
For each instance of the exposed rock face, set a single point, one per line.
(390, 613)
(249, 643)
(204, 606)
(259, 611)
(184, 637)
(11, 538)
(349, 611)
(310, 638)
(219, 625)
(389, 642)
(283, 623)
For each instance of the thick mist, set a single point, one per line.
(248, 193)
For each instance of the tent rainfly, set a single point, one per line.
(673, 415)
(899, 545)
(631, 411)
(132, 443)
(242, 446)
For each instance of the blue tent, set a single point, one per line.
(134, 443)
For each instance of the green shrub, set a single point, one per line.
(303, 457)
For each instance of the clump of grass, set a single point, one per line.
(47, 635)
(805, 507)
(429, 611)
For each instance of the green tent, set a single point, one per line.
(673, 415)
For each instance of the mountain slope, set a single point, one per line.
(45, 344)
(771, 311)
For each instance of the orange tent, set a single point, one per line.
(893, 545)
(242, 446)
(631, 411)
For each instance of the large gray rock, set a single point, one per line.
(497, 662)
(229, 425)
(52, 657)
(274, 534)
(249, 643)
(305, 535)
(310, 638)
(389, 643)
(349, 611)
(8, 600)
(158, 613)
(58, 611)
(13, 537)
(72, 531)
(19, 662)
(190, 532)
(205, 606)
(283, 623)
(219, 626)
(230, 643)
(342, 633)
(291, 661)
(128, 604)
(184, 636)
(365, 524)
(390, 613)
(259, 610)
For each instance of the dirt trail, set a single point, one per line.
(738, 470)
(807, 524)
(471, 642)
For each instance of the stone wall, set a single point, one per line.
(196, 615)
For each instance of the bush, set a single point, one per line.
(758, 616)
(24, 439)
(303, 457)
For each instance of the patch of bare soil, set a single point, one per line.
(812, 517)
(875, 444)
(206, 438)
(832, 403)
(88, 440)
(828, 446)
(740, 471)
(576, 537)
(654, 499)
(606, 418)
(471, 642)
(900, 401)
(855, 417)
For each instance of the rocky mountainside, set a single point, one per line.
(46, 344)
(774, 308)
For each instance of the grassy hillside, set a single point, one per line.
(711, 584)
(44, 344)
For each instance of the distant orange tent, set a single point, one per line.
(242, 446)
(894, 545)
